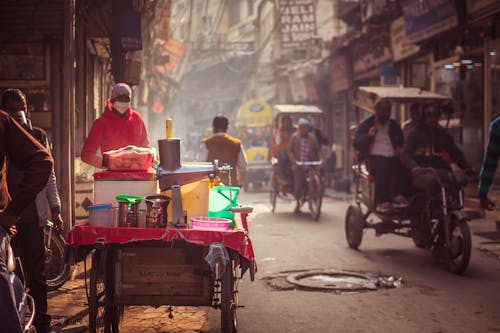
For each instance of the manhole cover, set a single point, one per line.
(341, 281)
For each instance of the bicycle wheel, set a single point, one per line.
(97, 295)
(228, 304)
(57, 271)
(315, 196)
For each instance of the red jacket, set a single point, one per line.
(112, 131)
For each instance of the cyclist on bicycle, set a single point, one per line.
(302, 147)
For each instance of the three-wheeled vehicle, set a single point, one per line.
(438, 222)
(282, 185)
(253, 123)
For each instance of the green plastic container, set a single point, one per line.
(220, 201)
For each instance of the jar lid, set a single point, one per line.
(99, 206)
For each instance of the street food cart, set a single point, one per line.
(176, 265)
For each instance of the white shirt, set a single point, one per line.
(382, 145)
(241, 164)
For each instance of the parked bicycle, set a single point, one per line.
(57, 270)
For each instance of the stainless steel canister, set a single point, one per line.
(156, 210)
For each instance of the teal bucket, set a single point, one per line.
(220, 200)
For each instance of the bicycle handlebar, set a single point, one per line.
(307, 163)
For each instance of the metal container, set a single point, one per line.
(156, 210)
(128, 210)
(170, 153)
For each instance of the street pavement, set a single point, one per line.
(430, 299)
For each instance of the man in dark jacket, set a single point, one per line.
(18, 147)
(429, 145)
(379, 141)
(28, 243)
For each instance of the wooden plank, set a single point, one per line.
(165, 272)
(158, 300)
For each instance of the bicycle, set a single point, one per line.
(314, 188)
(57, 270)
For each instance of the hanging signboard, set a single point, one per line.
(297, 22)
(175, 50)
(369, 53)
(401, 46)
(426, 18)
(130, 30)
(477, 9)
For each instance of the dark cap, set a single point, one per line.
(119, 90)
(221, 122)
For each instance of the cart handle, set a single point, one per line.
(244, 211)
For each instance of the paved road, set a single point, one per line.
(431, 300)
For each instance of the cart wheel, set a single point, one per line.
(228, 304)
(97, 299)
(458, 254)
(354, 226)
(273, 191)
(315, 196)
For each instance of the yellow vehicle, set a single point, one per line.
(253, 127)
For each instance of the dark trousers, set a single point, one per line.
(28, 245)
(385, 169)
(299, 182)
(9, 320)
(283, 163)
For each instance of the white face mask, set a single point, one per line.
(20, 117)
(121, 106)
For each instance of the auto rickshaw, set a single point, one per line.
(282, 185)
(253, 123)
(437, 223)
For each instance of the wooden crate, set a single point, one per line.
(162, 275)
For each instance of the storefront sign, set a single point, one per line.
(401, 46)
(369, 53)
(340, 78)
(130, 31)
(297, 22)
(426, 18)
(477, 9)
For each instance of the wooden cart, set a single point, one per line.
(136, 266)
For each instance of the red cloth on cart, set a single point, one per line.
(88, 235)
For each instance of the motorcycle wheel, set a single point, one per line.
(354, 225)
(57, 271)
(458, 254)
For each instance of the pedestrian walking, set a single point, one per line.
(19, 149)
(490, 164)
(28, 243)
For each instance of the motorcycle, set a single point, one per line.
(25, 304)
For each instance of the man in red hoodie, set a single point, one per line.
(118, 126)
